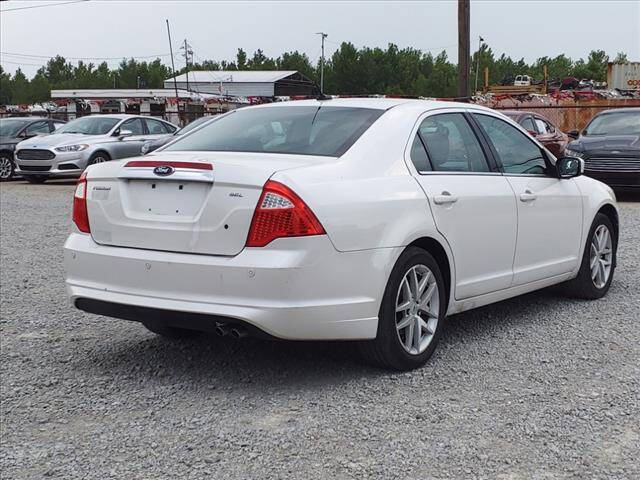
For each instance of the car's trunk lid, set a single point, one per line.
(204, 206)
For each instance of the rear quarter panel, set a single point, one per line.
(368, 199)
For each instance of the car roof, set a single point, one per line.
(376, 103)
(26, 119)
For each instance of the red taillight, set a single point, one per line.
(80, 215)
(281, 213)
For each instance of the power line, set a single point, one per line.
(28, 55)
(40, 6)
(22, 63)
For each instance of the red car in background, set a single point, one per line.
(541, 128)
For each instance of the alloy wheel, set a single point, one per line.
(98, 159)
(601, 256)
(5, 168)
(417, 309)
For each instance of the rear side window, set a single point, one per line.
(516, 152)
(451, 144)
(155, 127)
(419, 155)
(305, 130)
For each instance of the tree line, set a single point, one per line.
(349, 70)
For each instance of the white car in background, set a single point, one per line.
(345, 219)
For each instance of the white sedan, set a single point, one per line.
(343, 219)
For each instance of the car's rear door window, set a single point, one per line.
(134, 126)
(306, 130)
(451, 145)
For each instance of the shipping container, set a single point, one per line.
(624, 76)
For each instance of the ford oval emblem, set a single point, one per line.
(164, 170)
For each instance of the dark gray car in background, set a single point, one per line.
(14, 130)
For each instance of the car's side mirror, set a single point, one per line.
(573, 134)
(569, 167)
(124, 133)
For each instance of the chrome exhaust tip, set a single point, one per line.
(221, 330)
(238, 332)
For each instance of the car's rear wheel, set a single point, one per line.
(35, 178)
(6, 167)
(411, 315)
(598, 262)
(173, 333)
(99, 157)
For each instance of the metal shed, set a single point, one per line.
(251, 83)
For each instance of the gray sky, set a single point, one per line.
(528, 29)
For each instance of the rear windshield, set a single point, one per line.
(303, 130)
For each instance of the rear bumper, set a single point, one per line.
(295, 288)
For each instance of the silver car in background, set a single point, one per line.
(86, 141)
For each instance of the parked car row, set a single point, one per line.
(41, 148)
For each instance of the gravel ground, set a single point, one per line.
(535, 387)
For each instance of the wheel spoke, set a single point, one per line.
(423, 283)
(408, 336)
(414, 283)
(406, 290)
(426, 298)
(425, 326)
(402, 324)
(403, 306)
(417, 332)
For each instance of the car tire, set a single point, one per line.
(594, 279)
(172, 333)
(7, 167)
(99, 157)
(397, 346)
(36, 179)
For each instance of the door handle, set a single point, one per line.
(528, 196)
(444, 198)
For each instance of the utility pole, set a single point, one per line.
(464, 48)
(173, 66)
(188, 54)
(478, 61)
(322, 36)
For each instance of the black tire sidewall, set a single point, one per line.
(584, 277)
(387, 335)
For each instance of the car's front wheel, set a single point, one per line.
(99, 157)
(598, 262)
(6, 167)
(411, 315)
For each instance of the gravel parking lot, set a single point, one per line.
(535, 387)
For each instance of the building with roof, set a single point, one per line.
(244, 83)
(180, 109)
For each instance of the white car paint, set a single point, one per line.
(372, 204)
